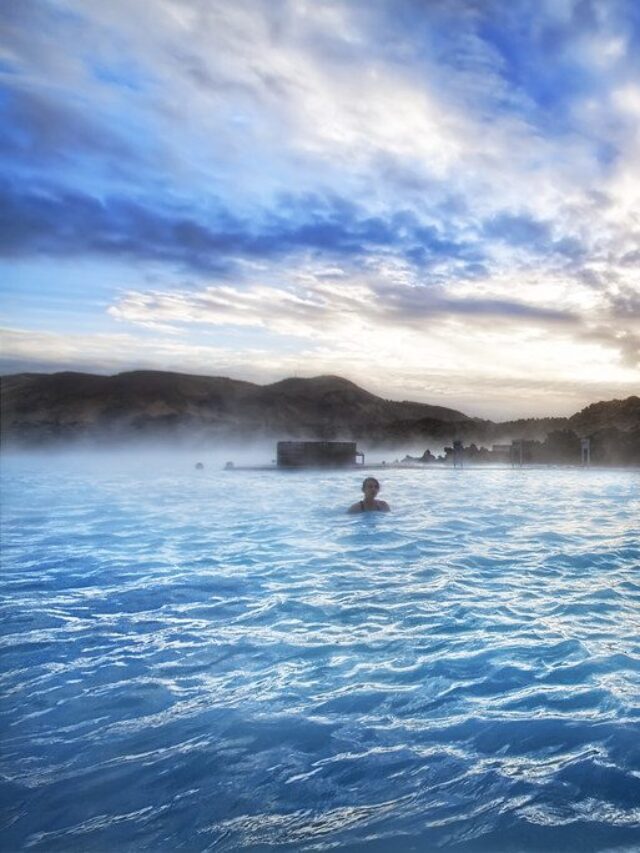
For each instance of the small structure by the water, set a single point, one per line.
(318, 454)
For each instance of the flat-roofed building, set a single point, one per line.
(318, 454)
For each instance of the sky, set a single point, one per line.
(437, 199)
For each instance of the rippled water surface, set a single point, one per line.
(226, 660)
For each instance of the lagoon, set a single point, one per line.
(225, 660)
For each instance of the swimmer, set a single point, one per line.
(370, 487)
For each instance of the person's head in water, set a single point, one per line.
(370, 489)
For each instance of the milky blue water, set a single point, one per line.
(227, 661)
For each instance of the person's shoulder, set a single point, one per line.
(356, 507)
(384, 506)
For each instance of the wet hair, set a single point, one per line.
(369, 480)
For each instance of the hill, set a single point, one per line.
(43, 408)
(38, 408)
(619, 414)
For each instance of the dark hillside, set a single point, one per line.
(623, 414)
(42, 407)
(38, 408)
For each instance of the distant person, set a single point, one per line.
(370, 488)
(199, 466)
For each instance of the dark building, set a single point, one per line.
(318, 454)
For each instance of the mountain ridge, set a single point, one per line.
(38, 408)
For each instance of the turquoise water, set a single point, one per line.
(227, 661)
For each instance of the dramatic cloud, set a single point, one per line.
(319, 309)
(453, 181)
(50, 220)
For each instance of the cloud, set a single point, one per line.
(281, 311)
(28, 351)
(622, 340)
(411, 304)
(50, 220)
(467, 170)
(323, 308)
(41, 130)
(329, 310)
(532, 234)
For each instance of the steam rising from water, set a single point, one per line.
(148, 458)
